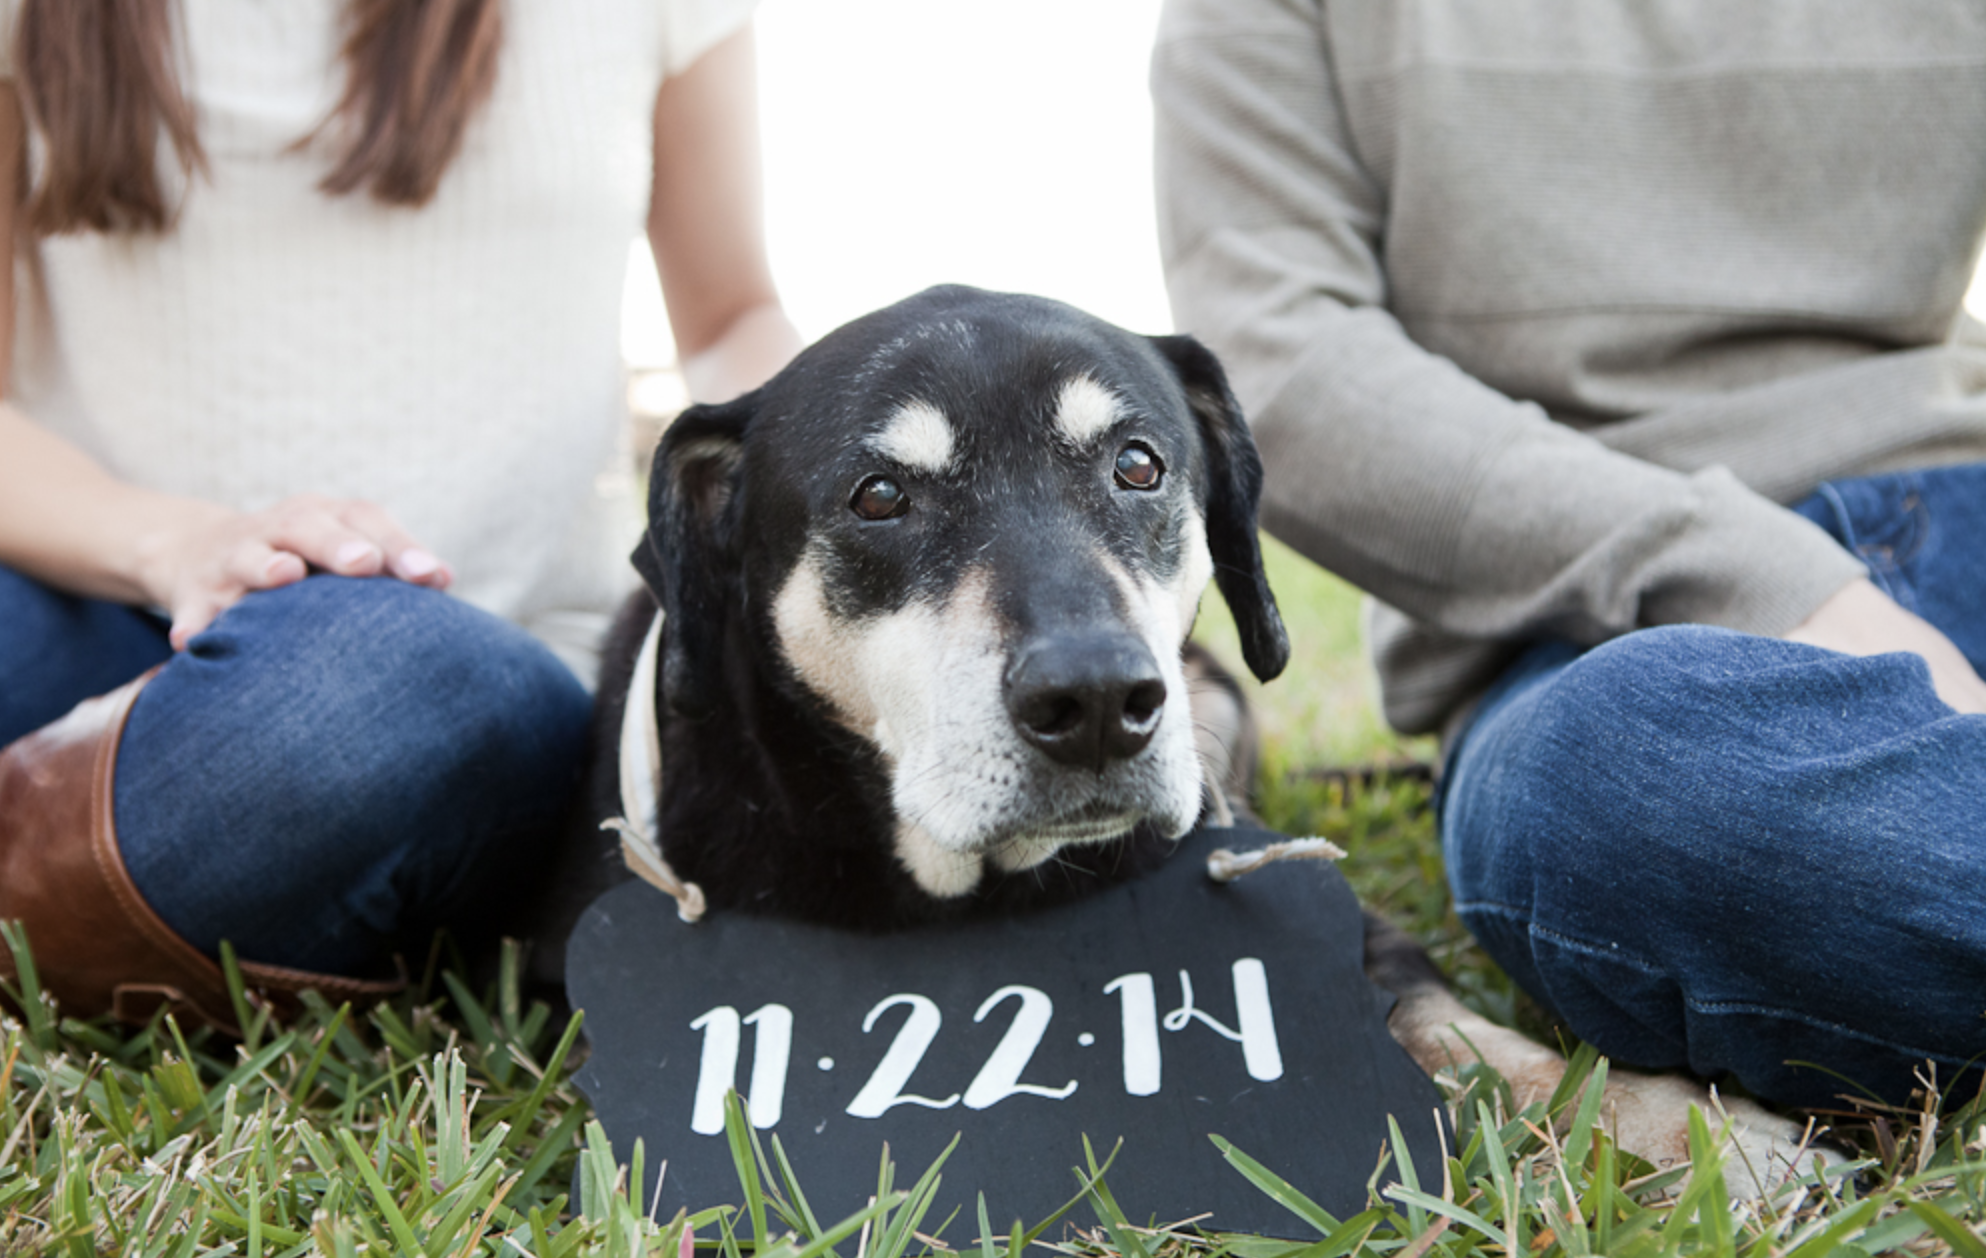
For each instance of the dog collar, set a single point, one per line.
(641, 771)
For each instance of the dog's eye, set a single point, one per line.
(1139, 468)
(879, 498)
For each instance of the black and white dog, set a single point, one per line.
(924, 598)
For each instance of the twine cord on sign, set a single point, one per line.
(1224, 865)
(638, 850)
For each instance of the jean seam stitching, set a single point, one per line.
(1608, 952)
(1605, 951)
(1720, 1007)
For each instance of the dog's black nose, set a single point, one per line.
(1087, 701)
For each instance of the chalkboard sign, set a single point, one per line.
(1159, 1011)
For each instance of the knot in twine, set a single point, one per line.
(644, 856)
(1224, 865)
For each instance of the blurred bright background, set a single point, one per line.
(916, 142)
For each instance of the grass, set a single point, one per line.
(444, 1122)
(1324, 710)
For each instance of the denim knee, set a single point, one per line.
(336, 767)
(1715, 850)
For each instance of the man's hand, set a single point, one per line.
(1862, 620)
(210, 556)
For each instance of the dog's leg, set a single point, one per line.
(1648, 1115)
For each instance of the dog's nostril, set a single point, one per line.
(1142, 705)
(1054, 715)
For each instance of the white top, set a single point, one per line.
(458, 364)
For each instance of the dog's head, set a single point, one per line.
(973, 529)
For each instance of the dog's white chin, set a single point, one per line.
(940, 870)
(948, 871)
(1025, 851)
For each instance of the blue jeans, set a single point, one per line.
(1743, 856)
(328, 773)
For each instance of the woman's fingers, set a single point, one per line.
(352, 538)
(248, 563)
(214, 565)
(189, 620)
(403, 556)
(316, 530)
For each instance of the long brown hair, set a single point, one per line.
(98, 84)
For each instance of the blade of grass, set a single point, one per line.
(896, 1236)
(794, 1191)
(28, 995)
(737, 1131)
(1107, 1211)
(1276, 1188)
(403, 1232)
(1963, 1240)
(527, 1109)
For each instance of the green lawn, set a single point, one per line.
(445, 1123)
(1323, 710)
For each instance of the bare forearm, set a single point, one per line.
(706, 226)
(66, 521)
(755, 345)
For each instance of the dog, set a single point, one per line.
(922, 651)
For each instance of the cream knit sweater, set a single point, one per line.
(457, 364)
(1539, 307)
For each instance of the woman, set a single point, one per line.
(316, 321)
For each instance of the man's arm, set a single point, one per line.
(1468, 509)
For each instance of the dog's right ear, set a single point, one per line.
(1234, 489)
(689, 556)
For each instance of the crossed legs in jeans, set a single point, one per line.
(329, 772)
(1738, 855)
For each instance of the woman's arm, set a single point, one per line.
(706, 224)
(66, 521)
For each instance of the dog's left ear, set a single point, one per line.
(1234, 489)
(688, 556)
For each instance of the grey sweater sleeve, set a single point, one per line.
(1473, 513)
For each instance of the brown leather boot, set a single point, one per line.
(97, 946)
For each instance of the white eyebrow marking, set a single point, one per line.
(917, 436)
(1083, 409)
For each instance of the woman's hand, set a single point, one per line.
(1862, 620)
(66, 521)
(204, 561)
